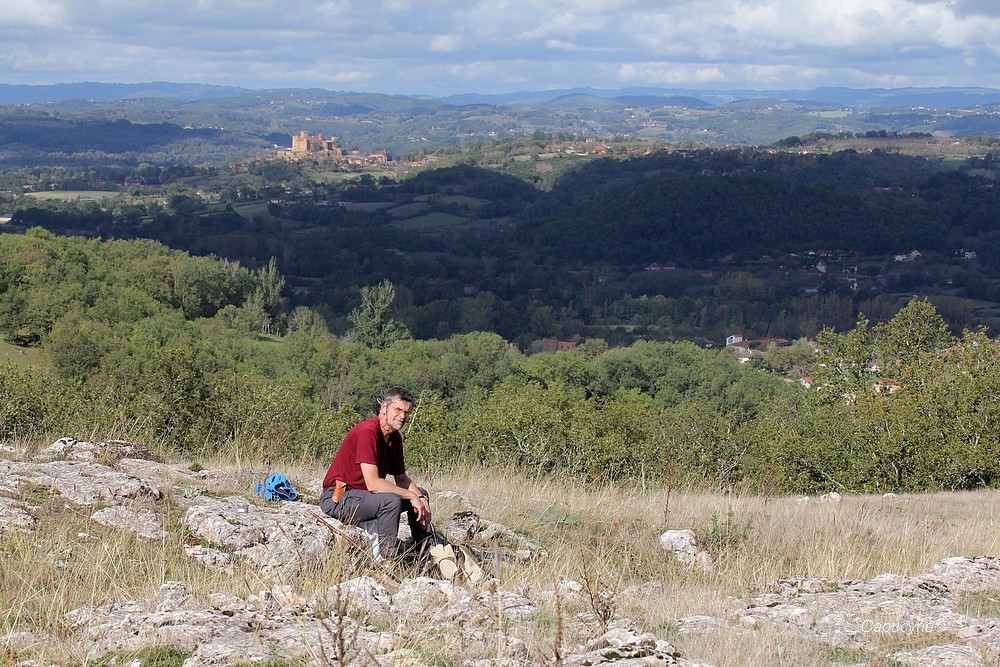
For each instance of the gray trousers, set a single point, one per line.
(377, 514)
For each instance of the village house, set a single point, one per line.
(745, 349)
(908, 257)
(552, 345)
(885, 386)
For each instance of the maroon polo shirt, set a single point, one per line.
(365, 444)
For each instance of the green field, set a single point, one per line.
(22, 357)
(430, 221)
(76, 195)
(252, 209)
(462, 200)
(840, 113)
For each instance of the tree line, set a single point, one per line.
(202, 355)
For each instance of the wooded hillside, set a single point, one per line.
(150, 344)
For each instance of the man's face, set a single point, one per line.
(395, 414)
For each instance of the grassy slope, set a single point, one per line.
(605, 535)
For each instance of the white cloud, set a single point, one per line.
(672, 75)
(443, 46)
(21, 13)
(446, 43)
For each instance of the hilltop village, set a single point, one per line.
(306, 146)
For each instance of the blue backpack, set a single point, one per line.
(277, 487)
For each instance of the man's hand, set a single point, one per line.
(422, 507)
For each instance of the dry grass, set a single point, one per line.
(603, 536)
(758, 540)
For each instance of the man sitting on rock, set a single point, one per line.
(355, 489)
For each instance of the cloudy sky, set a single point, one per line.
(439, 47)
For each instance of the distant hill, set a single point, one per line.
(754, 104)
(109, 92)
(850, 97)
(944, 97)
(684, 101)
(408, 125)
(926, 97)
(576, 101)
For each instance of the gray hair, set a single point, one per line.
(397, 393)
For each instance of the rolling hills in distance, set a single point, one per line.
(249, 120)
(892, 150)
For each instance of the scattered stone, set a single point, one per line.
(422, 595)
(277, 541)
(684, 546)
(19, 641)
(941, 656)
(143, 522)
(463, 500)
(167, 474)
(281, 624)
(641, 594)
(110, 451)
(288, 598)
(213, 559)
(11, 451)
(360, 596)
(625, 647)
(569, 586)
(467, 527)
(232, 631)
(968, 574)
(171, 596)
(83, 483)
(692, 625)
(507, 604)
(862, 614)
(13, 517)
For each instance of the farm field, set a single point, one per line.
(430, 221)
(76, 195)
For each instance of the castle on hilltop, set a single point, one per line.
(303, 144)
(306, 145)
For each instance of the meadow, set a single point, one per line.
(75, 195)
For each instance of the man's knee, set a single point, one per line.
(389, 503)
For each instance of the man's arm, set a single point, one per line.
(378, 484)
